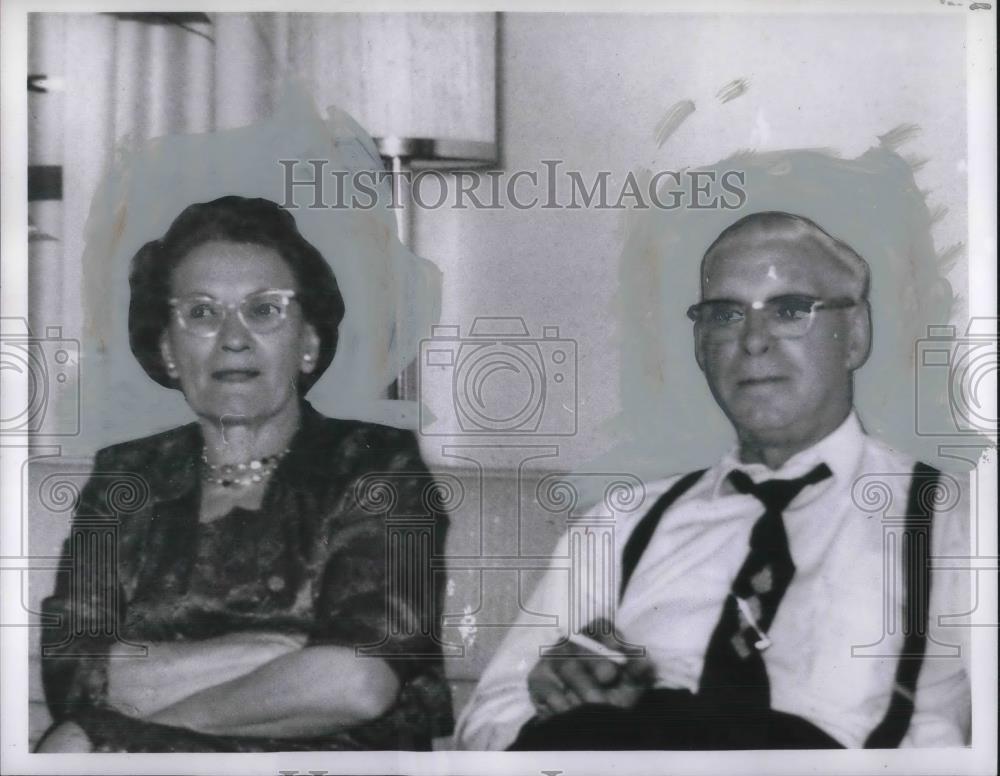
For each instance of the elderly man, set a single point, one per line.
(753, 594)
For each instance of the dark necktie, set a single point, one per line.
(734, 676)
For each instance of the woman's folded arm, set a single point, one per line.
(174, 670)
(308, 692)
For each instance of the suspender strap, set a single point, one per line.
(643, 532)
(916, 548)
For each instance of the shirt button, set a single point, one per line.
(275, 583)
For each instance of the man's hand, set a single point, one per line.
(564, 678)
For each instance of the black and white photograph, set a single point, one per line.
(528, 389)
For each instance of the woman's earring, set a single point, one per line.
(172, 369)
(307, 361)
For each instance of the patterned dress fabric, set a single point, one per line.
(321, 557)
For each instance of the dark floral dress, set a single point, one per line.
(341, 550)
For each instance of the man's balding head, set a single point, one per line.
(778, 228)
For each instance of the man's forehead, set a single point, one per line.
(755, 259)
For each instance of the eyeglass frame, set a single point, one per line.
(818, 304)
(286, 294)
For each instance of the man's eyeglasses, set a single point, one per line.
(785, 317)
(261, 312)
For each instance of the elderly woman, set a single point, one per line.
(255, 577)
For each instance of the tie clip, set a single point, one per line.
(763, 642)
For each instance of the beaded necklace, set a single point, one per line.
(250, 472)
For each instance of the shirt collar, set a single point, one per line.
(839, 450)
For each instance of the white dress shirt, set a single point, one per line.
(818, 665)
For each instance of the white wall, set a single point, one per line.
(591, 89)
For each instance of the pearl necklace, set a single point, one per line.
(239, 474)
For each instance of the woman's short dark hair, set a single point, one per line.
(239, 220)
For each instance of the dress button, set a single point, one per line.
(275, 583)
